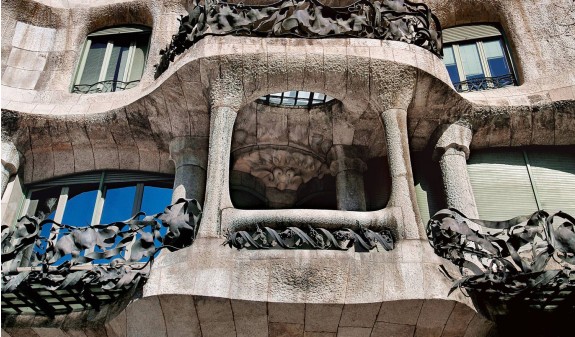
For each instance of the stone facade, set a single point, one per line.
(201, 121)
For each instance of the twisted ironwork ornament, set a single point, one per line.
(398, 20)
(522, 265)
(112, 257)
(311, 238)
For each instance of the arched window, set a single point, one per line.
(113, 59)
(477, 58)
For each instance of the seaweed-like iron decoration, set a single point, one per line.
(313, 238)
(398, 20)
(525, 265)
(109, 257)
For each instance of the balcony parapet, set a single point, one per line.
(520, 273)
(95, 265)
(398, 20)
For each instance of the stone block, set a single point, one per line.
(403, 280)
(117, 326)
(359, 315)
(180, 312)
(138, 316)
(319, 334)
(20, 78)
(404, 312)
(286, 312)
(28, 60)
(543, 124)
(250, 281)
(383, 329)
(285, 330)
(365, 283)
(458, 321)
(479, 326)
(322, 317)
(250, 318)
(433, 317)
(353, 332)
(213, 310)
(218, 329)
(33, 38)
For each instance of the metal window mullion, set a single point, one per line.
(459, 66)
(100, 198)
(129, 62)
(106, 62)
(531, 180)
(82, 65)
(61, 207)
(138, 199)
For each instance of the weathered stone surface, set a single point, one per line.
(382, 329)
(322, 318)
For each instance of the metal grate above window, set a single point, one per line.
(295, 99)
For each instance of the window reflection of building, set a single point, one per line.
(476, 58)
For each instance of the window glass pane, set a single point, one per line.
(139, 59)
(471, 61)
(156, 199)
(93, 63)
(493, 49)
(448, 56)
(498, 67)
(118, 204)
(80, 205)
(453, 73)
(118, 59)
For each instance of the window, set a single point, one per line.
(295, 99)
(476, 58)
(100, 197)
(113, 59)
(513, 181)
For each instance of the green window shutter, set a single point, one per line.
(428, 185)
(501, 184)
(553, 173)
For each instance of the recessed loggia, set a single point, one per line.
(295, 98)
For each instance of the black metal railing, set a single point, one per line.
(398, 20)
(103, 86)
(515, 269)
(485, 83)
(92, 265)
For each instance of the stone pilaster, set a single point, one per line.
(190, 156)
(452, 152)
(218, 194)
(402, 186)
(10, 162)
(348, 168)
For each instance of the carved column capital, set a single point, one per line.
(189, 151)
(452, 139)
(346, 158)
(10, 162)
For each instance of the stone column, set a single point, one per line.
(10, 162)
(218, 193)
(190, 156)
(348, 167)
(452, 152)
(402, 186)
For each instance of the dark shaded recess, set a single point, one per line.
(377, 183)
(427, 174)
(318, 194)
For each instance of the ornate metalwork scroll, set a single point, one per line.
(312, 238)
(398, 20)
(103, 86)
(110, 257)
(485, 83)
(527, 262)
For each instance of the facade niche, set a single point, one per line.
(300, 149)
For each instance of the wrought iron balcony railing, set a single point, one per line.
(514, 270)
(78, 268)
(485, 83)
(399, 20)
(103, 86)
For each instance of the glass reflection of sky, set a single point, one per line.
(118, 204)
(155, 200)
(79, 209)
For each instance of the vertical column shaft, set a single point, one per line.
(452, 151)
(402, 186)
(218, 194)
(190, 156)
(350, 191)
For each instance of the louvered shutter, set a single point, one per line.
(464, 33)
(501, 184)
(553, 173)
